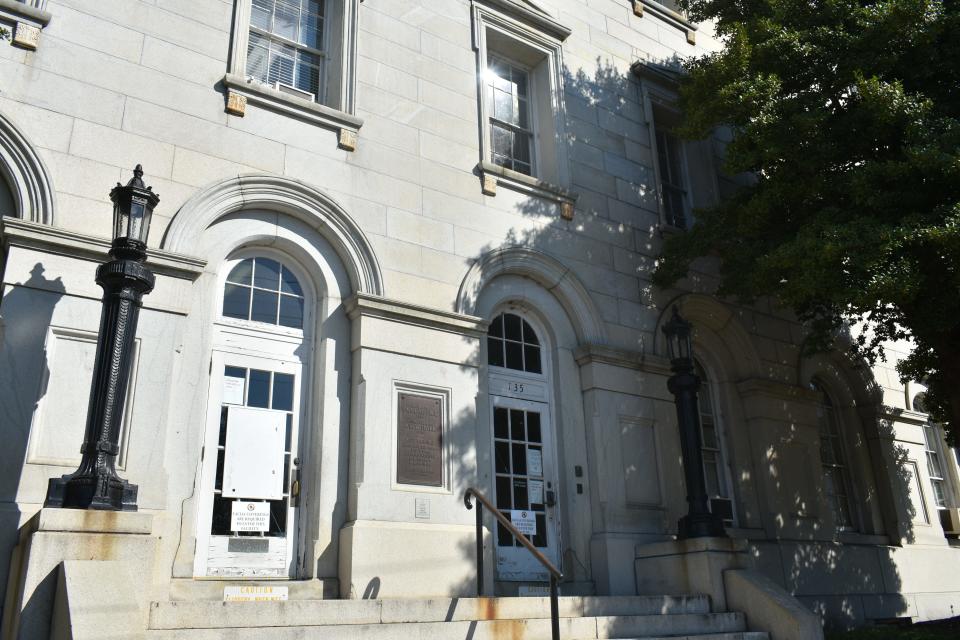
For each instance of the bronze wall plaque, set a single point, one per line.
(420, 440)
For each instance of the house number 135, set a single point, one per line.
(515, 387)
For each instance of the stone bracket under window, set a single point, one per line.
(28, 18)
(491, 175)
(241, 92)
(671, 17)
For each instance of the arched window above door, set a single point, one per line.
(262, 289)
(513, 344)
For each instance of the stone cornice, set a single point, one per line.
(367, 305)
(23, 233)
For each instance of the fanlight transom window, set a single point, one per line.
(263, 290)
(512, 343)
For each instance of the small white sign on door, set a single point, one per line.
(233, 390)
(250, 516)
(534, 462)
(535, 491)
(253, 456)
(524, 521)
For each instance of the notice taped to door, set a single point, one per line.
(250, 516)
(524, 521)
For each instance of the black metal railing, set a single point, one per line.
(555, 575)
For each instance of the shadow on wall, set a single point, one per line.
(25, 315)
(612, 244)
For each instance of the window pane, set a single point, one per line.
(520, 494)
(495, 352)
(260, 13)
(502, 457)
(709, 436)
(267, 274)
(308, 72)
(259, 393)
(282, 63)
(496, 327)
(289, 283)
(540, 538)
(500, 428)
(283, 392)
(240, 274)
(286, 18)
(503, 107)
(504, 495)
(236, 302)
(532, 359)
(514, 356)
(311, 29)
(519, 459)
(264, 306)
(516, 425)
(533, 427)
(502, 142)
(291, 312)
(512, 327)
(529, 335)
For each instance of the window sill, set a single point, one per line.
(241, 92)
(667, 229)
(492, 175)
(852, 537)
(671, 17)
(27, 20)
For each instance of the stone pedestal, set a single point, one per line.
(53, 536)
(693, 566)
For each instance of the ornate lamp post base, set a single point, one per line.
(89, 491)
(700, 525)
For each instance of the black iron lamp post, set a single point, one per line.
(683, 384)
(95, 484)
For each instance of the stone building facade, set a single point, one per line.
(412, 239)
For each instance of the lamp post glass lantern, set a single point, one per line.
(125, 280)
(684, 384)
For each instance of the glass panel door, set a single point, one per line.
(524, 484)
(248, 514)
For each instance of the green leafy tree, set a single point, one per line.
(845, 115)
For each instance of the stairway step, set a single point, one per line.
(212, 590)
(735, 635)
(207, 614)
(692, 625)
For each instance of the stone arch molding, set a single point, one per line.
(29, 179)
(543, 269)
(284, 195)
(722, 333)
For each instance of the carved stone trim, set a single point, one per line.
(236, 103)
(26, 36)
(30, 182)
(292, 197)
(347, 140)
(543, 269)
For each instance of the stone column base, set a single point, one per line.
(55, 535)
(693, 566)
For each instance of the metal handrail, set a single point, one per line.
(555, 574)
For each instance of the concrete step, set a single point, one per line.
(207, 614)
(212, 590)
(580, 628)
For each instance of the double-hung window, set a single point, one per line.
(520, 76)
(833, 458)
(671, 163)
(935, 468)
(508, 103)
(297, 58)
(285, 45)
